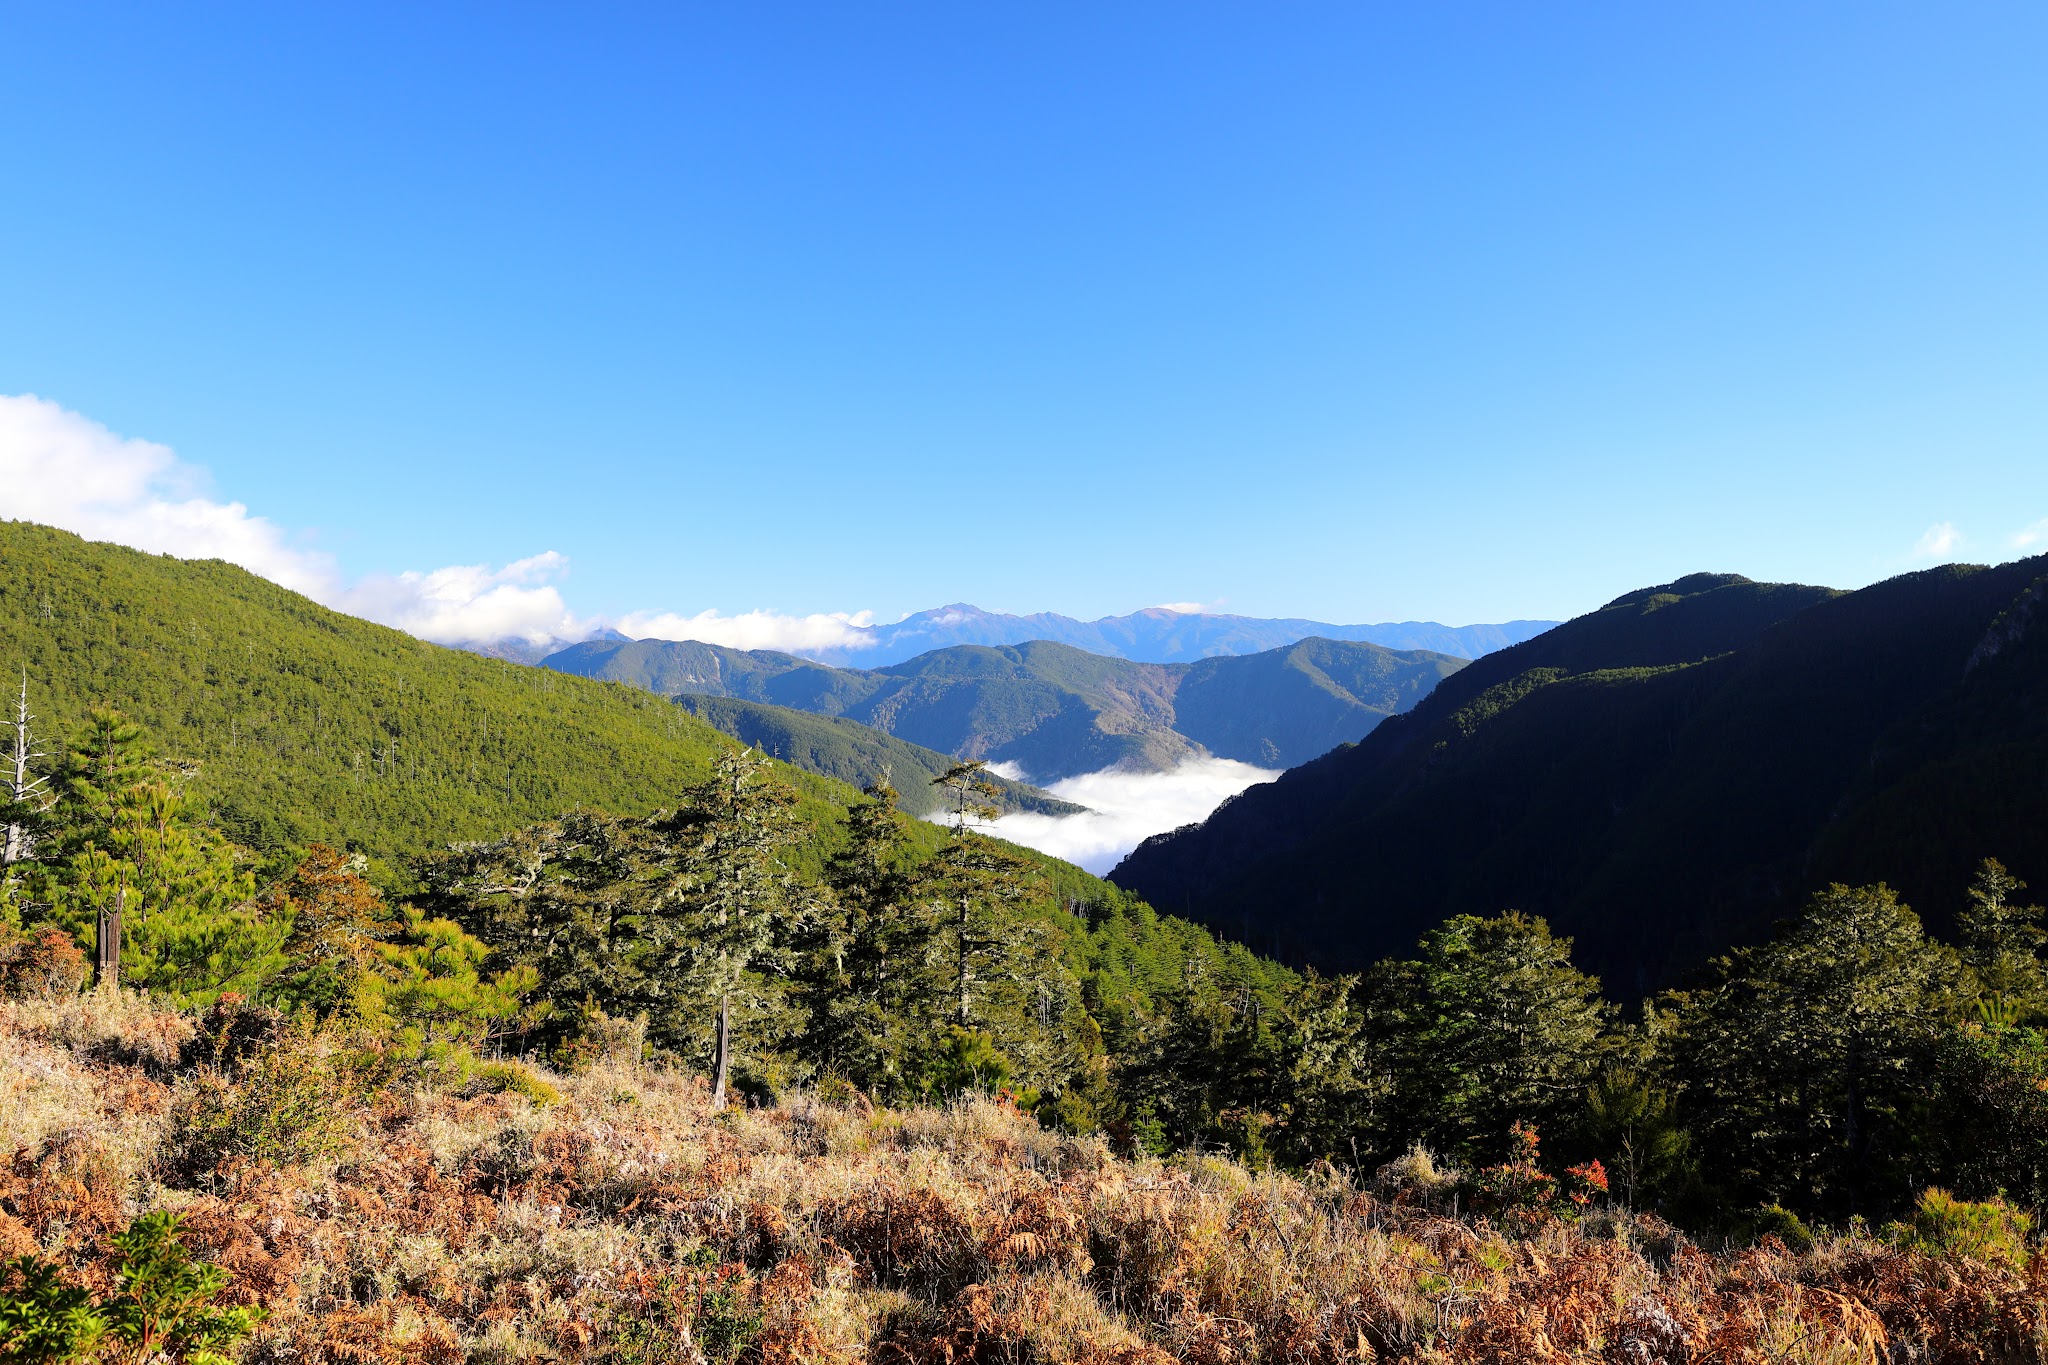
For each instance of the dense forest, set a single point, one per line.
(858, 755)
(503, 1093)
(1661, 778)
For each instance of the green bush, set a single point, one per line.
(514, 1078)
(1943, 1225)
(286, 1105)
(1773, 1220)
(163, 1312)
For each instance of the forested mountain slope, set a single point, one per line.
(1058, 711)
(1660, 778)
(304, 724)
(307, 724)
(856, 754)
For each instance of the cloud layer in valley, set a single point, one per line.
(63, 469)
(1124, 808)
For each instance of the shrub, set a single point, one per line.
(44, 964)
(968, 1060)
(44, 1321)
(165, 1308)
(1774, 1220)
(1942, 1225)
(1416, 1178)
(163, 1311)
(286, 1105)
(515, 1078)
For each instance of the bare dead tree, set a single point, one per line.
(28, 793)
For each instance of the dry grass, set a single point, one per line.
(631, 1223)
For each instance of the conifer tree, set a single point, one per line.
(434, 982)
(724, 900)
(1493, 1026)
(568, 898)
(871, 954)
(1801, 1064)
(2002, 942)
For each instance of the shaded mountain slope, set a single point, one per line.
(1661, 778)
(1056, 711)
(855, 754)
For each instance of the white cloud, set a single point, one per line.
(64, 469)
(471, 603)
(2031, 536)
(1189, 608)
(1938, 541)
(1125, 807)
(753, 629)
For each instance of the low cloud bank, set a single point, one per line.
(1124, 808)
(752, 629)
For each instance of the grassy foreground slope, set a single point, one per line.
(308, 724)
(621, 1221)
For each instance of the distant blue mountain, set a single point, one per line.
(1160, 636)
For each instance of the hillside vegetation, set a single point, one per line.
(1660, 778)
(856, 754)
(306, 724)
(612, 1216)
(765, 1075)
(1054, 710)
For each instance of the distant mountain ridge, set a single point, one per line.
(1052, 709)
(1661, 778)
(1157, 635)
(1161, 635)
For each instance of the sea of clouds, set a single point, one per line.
(1124, 808)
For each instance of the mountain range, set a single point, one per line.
(1053, 710)
(1158, 635)
(1155, 635)
(1660, 778)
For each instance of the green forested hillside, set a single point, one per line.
(1054, 710)
(1660, 778)
(307, 724)
(855, 754)
(303, 724)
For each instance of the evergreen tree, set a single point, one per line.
(1494, 1026)
(871, 955)
(568, 898)
(1000, 966)
(435, 988)
(1801, 1065)
(191, 927)
(2001, 943)
(725, 899)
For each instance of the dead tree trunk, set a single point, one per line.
(722, 1062)
(110, 941)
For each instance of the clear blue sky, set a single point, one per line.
(1356, 311)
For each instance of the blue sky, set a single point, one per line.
(1357, 312)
